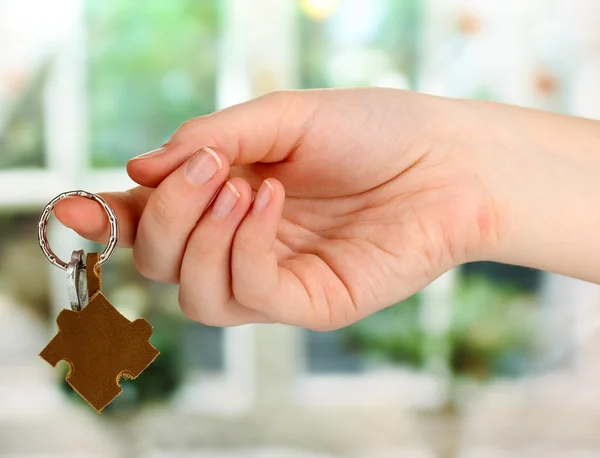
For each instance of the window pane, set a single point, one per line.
(202, 347)
(494, 330)
(520, 278)
(152, 65)
(21, 128)
(327, 352)
(497, 323)
(357, 43)
(392, 336)
(23, 268)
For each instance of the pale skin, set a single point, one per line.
(334, 204)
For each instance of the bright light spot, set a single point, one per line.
(319, 9)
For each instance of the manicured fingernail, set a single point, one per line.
(203, 166)
(225, 201)
(263, 197)
(152, 153)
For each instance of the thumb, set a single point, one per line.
(260, 130)
(89, 220)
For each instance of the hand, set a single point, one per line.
(386, 190)
(378, 205)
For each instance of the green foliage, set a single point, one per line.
(397, 36)
(491, 334)
(493, 329)
(485, 93)
(152, 65)
(515, 278)
(393, 334)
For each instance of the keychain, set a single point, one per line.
(100, 345)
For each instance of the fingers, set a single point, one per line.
(258, 282)
(205, 282)
(89, 220)
(254, 131)
(172, 212)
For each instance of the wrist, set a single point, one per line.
(542, 172)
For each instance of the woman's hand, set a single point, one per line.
(385, 191)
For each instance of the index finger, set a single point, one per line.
(260, 130)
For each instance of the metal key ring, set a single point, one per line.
(77, 287)
(43, 224)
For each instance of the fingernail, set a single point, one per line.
(152, 153)
(263, 197)
(225, 201)
(203, 166)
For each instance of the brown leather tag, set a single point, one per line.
(100, 345)
(93, 274)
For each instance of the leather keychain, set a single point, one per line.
(100, 345)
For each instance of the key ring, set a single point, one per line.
(43, 224)
(77, 287)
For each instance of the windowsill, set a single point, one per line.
(36, 187)
(390, 387)
(204, 393)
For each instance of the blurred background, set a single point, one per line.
(490, 361)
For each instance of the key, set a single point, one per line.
(100, 345)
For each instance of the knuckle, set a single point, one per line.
(188, 307)
(203, 247)
(248, 295)
(140, 264)
(192, 308)
(150, 271)
(163, 211)
(188, 127)
(242, 244)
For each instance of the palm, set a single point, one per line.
(359, 236)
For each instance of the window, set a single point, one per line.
(356, 43)
(102, 81)
(385, 43)
(496, 327)
(26, 283)
(389, 337)
(22, 131)
(118, 82)
(151, 66)
(327, 352)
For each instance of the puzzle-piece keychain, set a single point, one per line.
(100, 345)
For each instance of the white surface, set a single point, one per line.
(401, 388)
(241, 453)
(530, 452)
